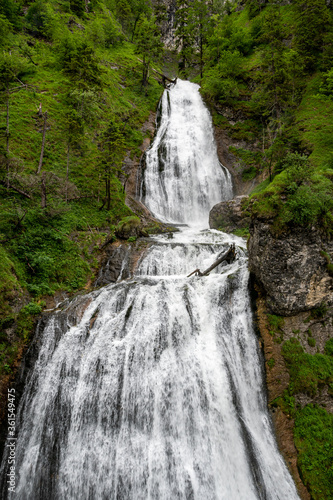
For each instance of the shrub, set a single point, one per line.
(329, 347)
(311, 341)
(32, 308)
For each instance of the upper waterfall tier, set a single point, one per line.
(183, 178)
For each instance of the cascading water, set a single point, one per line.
(151, 388)
(184, 178)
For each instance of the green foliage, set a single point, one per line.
(320, 311)
(77, 6)
(298, 196)
(271, 363)
(311, 341)
(313, 20)
(314, 441)
(329, 347)
(326, 87)
(307, 371)
(5, 29)
(32, 308)
(243, 233)
(148, 44)
(220, 81)
(40, 19)
(275, 322)
(79, 61)
(11, 10)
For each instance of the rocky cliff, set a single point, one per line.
(292, 268)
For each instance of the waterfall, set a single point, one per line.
(183, 178)
(152, 388)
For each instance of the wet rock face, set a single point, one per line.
(291, 268)
(115, 266)
(228, 215)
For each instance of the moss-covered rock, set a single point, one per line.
(130, 227)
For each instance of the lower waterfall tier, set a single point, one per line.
(156, 392)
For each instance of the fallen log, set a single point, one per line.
(18, 190)
(228, 256)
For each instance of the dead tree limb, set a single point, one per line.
(164, 77)
(43, 145)
(18, 190)
(228, 256)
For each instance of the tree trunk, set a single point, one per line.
(67, 172)
(108, 193)
(201, 54)
(229, 256)
(43, 191)
(18, 190)
(43, 145)
(7, 137)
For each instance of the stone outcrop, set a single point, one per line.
(228, 215)
(291, 268)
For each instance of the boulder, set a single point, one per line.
(130, 227)
(228, 215)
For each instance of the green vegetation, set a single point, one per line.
(314, 442)
(72, 105)
(276, 327)
(313, 425)
(307, 372)
(272, 65)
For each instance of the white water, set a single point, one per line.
(183, 177)
(156, 393)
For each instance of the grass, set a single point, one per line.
(307, 372)
(314, 442)
(314, 119)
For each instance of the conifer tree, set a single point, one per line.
(313, 21)
(148, 44)
(185, 33)
(112, 148)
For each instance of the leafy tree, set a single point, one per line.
(201, 20)
(148, 44)
(227, 36)
(160, 12)
(124, 13)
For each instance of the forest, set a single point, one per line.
(78, 81)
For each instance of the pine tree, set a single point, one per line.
(185, 33)
(148, 44)
(313, 21)
(112, 148)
